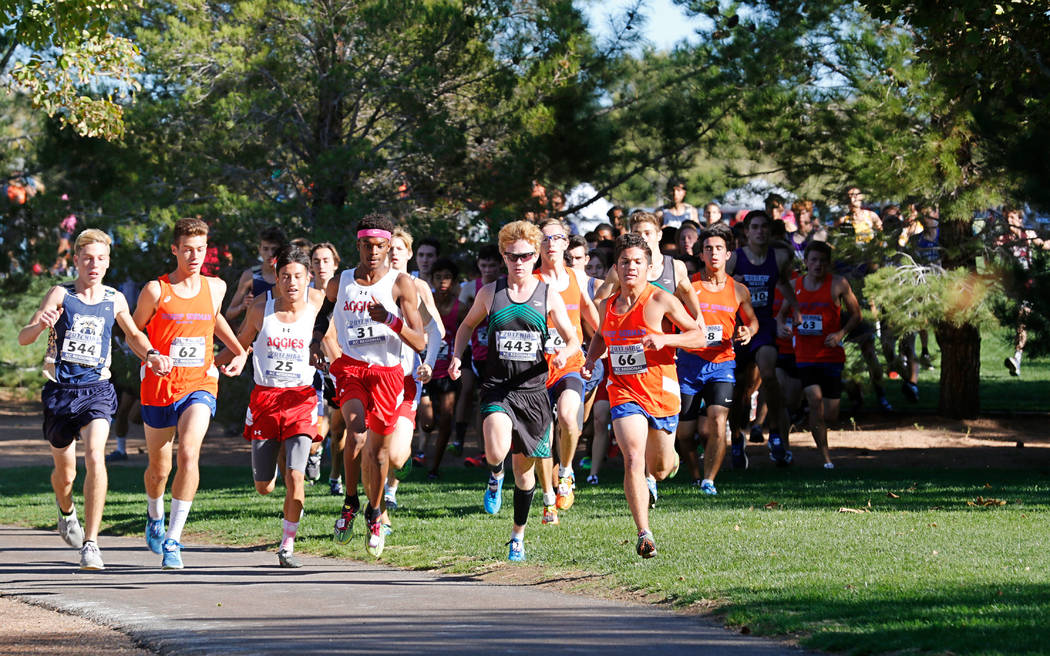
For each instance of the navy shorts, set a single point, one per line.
(596, 378)
(166, 416)
(786, 361)
(828, 375)
(69, 407)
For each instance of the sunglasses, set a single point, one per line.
(554, 237)
(519, 257)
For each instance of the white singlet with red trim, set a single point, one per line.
(359, 337)
(281, 351)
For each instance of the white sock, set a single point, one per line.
(391, 489)
(122, 444)
(289, 529)
(155, 507)
(517, 535)
(1017, 356)
(549, 498)
(180, 510)
(707, 480)
(564, 472)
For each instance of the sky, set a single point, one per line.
(667, 24)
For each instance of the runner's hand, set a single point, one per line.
(160, 364)
(424, 373)
(560, 358)
(743, 335)
(453, 368)
(588, 370)
(317, 358)
(236, 365)
(49, 317)
(246, 302)
(834, 339)
(654, 342)
(783, 330)
(377, 312)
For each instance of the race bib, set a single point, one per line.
(517, 345)
(82, 348)
(444, 350)
(713, 333)
(759, 297)
(361, 333)
(481, 338)
(554, 343)
(285, 365)
(812, 325)
(627, 359)
(187, 352)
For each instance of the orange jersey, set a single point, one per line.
(820, 318)
(719, 310)
(648, 378)
(572, 296)
(182, 328)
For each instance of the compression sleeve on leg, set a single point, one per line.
(522, 503)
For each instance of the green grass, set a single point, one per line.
(922, 573)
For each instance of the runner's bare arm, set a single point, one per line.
(563, 324)
(435, 329)
(242, 298)
(609, 287)
(588, 311)
(146, 307)
(475, 315)
(250, 327)
(596, 351)
(843, 293)
(668, 305)
(411, 329)
(44, 318)
(136, 340)
(746, 329)
(686, 294)
(223, 330)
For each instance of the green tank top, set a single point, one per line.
(517, 333)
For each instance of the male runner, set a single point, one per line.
(515, 408)
(818, 345)
(762, 269)
(79, 400)
(643, 384)
(564, 384)
(260, 278)
(376, 313)
(707, 375)
(180, 312)
(441, 389)
(673, 213)
(324, 262)
(282, 412)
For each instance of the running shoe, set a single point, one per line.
(778, 453)
(71, 531)
(90, 556)
(829, 465)
(910, 391)
(335, 487)
(155, 534)
(593, 479)
(585, 462)
(344, 526)
(456, 448)
(707, 487)
(646, 546)
(116, 455)
(474, 461)
(737, 453)
(1013, 365)
(172, 556)
(755, 436)
(885, 404)
(390, 498)
(313, 467)
(387, 530)
(517, 551)
(565, 495)
(493, 500)
(926, 360)
(287, 559)
(677, 465)
(654, 495)
(550, 514)
(419, 458)
(376, 539)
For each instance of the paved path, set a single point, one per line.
(233, 601)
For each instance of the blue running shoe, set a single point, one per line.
(494, 495)
(172, 558)
(517, 551)
(155, 534)
(737, 453)
(778, 453)
(650, 482)
(707, 487)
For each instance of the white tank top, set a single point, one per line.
(359, 337)
(281, 351)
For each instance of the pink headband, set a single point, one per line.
(373, 232)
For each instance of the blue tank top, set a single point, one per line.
(929, 250)
(259, 284)
(760, 279)
(78, 346)
(675, 220)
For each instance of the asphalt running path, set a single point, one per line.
(237, 601)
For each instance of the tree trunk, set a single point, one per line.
(960, 395)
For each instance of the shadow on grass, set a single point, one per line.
(981, 618)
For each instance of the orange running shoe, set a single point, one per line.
(550, 515)
(565, 495)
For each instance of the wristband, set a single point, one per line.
(152, 351)
(394, 322)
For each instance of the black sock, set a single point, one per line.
(497, 470)
(351, 502)
(67, 514)
(461, 431)
(371, 514)
(522, 503)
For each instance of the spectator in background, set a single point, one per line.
(1018, 241)
(712, 214)
(809, 228)
(66, 228)
(677, 210)
(775, 209)
(863, 222)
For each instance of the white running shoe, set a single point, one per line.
(71, 531)
(90, 556)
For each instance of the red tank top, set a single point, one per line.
(820, 318)
(479, 340)
(572, 296)
(444, 358)
(785, 345)
(182, 328)
(719, 310)
(648, 378)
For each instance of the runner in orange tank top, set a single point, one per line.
(180, 312)
(643, 384)
(564, 384)
(818, 345)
